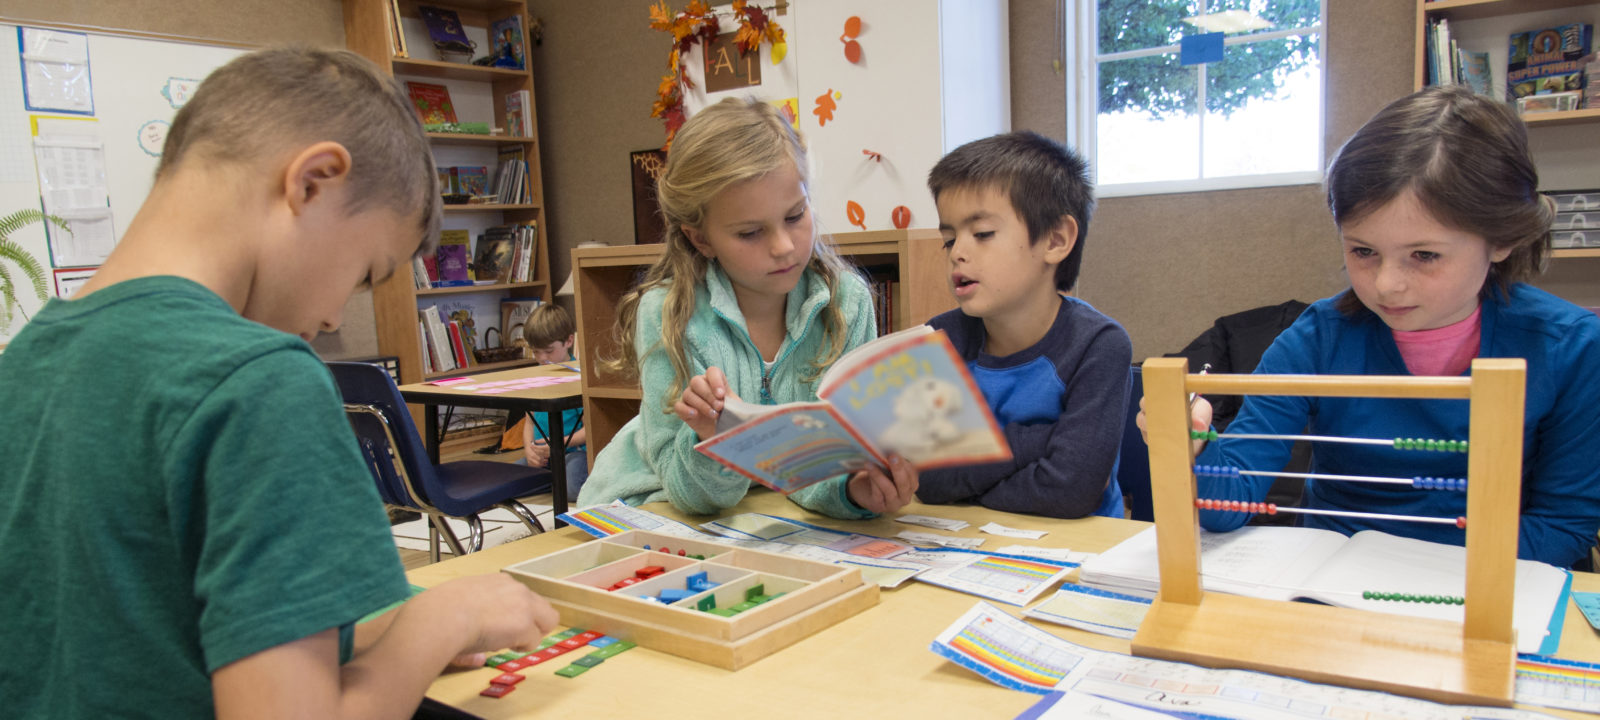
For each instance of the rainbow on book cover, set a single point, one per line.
(793, 447)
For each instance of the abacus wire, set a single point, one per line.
(1426, 483)
(1273, 509)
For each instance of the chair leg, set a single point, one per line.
(443, 528)
(474, 533)
(525, 515)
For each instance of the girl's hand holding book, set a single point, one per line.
(876, 491)
(702, 402)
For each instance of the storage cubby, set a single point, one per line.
(804, 596)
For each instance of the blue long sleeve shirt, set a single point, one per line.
(1061, 404)
(1561, 427)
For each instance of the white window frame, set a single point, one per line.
(1083, 97)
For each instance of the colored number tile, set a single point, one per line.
(513, 665)
(613, 649)
(572, 671)
(569, 632)
(707, 603)
(554, 650)
(588, 636)
(498, 658)
(649, 571)
(672, 595)
(741, 607)
(725, 612)
(602, 641)
(497, 691)
(755, 591)
(589, 660)
(571, 643)
(507, 679)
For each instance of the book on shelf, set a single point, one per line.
(419, 274)
(472, 179)
(513, 313)
(432, 102)
(437, 339)
(454, 257)
(1475, 71)
(397, 35)
(1312, 564)
(492, 261)
(444, 29)
(506, 43)
(518, 120)
(449, 181)
(459, 347)
(1548, 61)
(907, 393)
(510, 177)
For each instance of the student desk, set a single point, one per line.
(551, 400)
(875, 664)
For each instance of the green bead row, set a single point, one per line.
(1206, 435)
(1407, 597)
(1427, 444)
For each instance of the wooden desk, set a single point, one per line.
(876, 664)
(551, 400)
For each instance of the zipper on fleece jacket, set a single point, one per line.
(766, 378)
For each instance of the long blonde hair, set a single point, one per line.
(733, 141)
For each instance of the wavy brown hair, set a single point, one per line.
(733, 141)
(1465, 157)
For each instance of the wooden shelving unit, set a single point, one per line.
(603, 275)
(395, 302)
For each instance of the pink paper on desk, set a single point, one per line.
(494, 391)
(450, 381)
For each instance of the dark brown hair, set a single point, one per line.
(1044, 180)
(1465, 157)
(268, 101)
(547, 325)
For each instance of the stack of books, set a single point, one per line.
(505, 253)
(445, 345)
(511, 186)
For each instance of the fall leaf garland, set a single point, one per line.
(696, 25)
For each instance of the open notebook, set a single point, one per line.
(1297, 563)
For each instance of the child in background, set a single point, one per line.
(745, 302)
(550, 333)
(1438, 208)
(237, 535)
(1014, 210)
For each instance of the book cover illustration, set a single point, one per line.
(493, 260)
(454, 257)
(908, 393)
(513, 313)
(449, 181)
(432, 102)
(444, 28)
(472, 180)
(1475, 71)
(505, 41)
(1548, 61)
(517, 124)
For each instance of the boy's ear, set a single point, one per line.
(314, 172)
(572, 340)
(1059, 240)
(698, 240)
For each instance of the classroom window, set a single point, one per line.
(1150, 123)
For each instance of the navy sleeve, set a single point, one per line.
(1059, 469)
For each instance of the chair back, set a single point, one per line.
(389, 440)
(1133, 471)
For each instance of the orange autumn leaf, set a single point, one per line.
(672, 61)
(747, 39)
(738, 7)
(825, 107)
(774, 33)
(854, 213)
(660, 16)
(668, 84)
(697, 8)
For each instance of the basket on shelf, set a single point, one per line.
(455, 52)
(497, 354)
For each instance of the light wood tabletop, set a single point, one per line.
(875, 664)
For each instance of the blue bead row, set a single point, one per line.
(1433, 483)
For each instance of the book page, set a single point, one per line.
(1380, 562)
(1258, 560)
(792, 446)
(914, 396)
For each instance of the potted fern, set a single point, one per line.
(11, 252)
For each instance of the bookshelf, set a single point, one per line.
(478, 93)
(1486, 25)
(603, 275)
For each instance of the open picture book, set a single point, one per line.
(1311, 564)
(905, 393)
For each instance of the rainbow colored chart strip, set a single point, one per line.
(602, 521)
(1025, 569)
(1006, 650)
(1552, 682)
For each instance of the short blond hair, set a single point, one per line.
(547, 325)
(268, 101)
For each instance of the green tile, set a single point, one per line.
(588, 660)
(572, 670)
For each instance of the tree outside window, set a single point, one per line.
(1153, 124)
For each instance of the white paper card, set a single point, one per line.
(998, 529)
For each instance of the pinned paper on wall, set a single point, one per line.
(901, 217)
(854, 213)
(1200, 49)
(852, 49)
(70, 156)
(825, 107)
(55, 71)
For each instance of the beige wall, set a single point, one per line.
(250, 22)
(1165, 266)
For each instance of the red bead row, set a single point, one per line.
(1236, 506)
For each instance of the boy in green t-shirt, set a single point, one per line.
(201, 533)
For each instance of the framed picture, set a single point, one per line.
(646, 165)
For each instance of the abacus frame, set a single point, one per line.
(1471, 662)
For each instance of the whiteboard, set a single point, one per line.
(128, 76)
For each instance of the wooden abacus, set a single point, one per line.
(1470, 662)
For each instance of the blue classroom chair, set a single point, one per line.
(399, 463)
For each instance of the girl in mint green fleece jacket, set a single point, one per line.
(744, 302)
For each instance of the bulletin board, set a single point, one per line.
(137, 83)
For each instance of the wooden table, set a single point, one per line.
(875, 664)
(551, 400)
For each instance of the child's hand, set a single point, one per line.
(497, 613)
(702, 400)
(1199, 419)
(881, 493)
(537, 453)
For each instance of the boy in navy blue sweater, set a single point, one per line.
(1014, 210)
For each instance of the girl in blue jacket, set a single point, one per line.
(745, 302)
(1441, 221)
